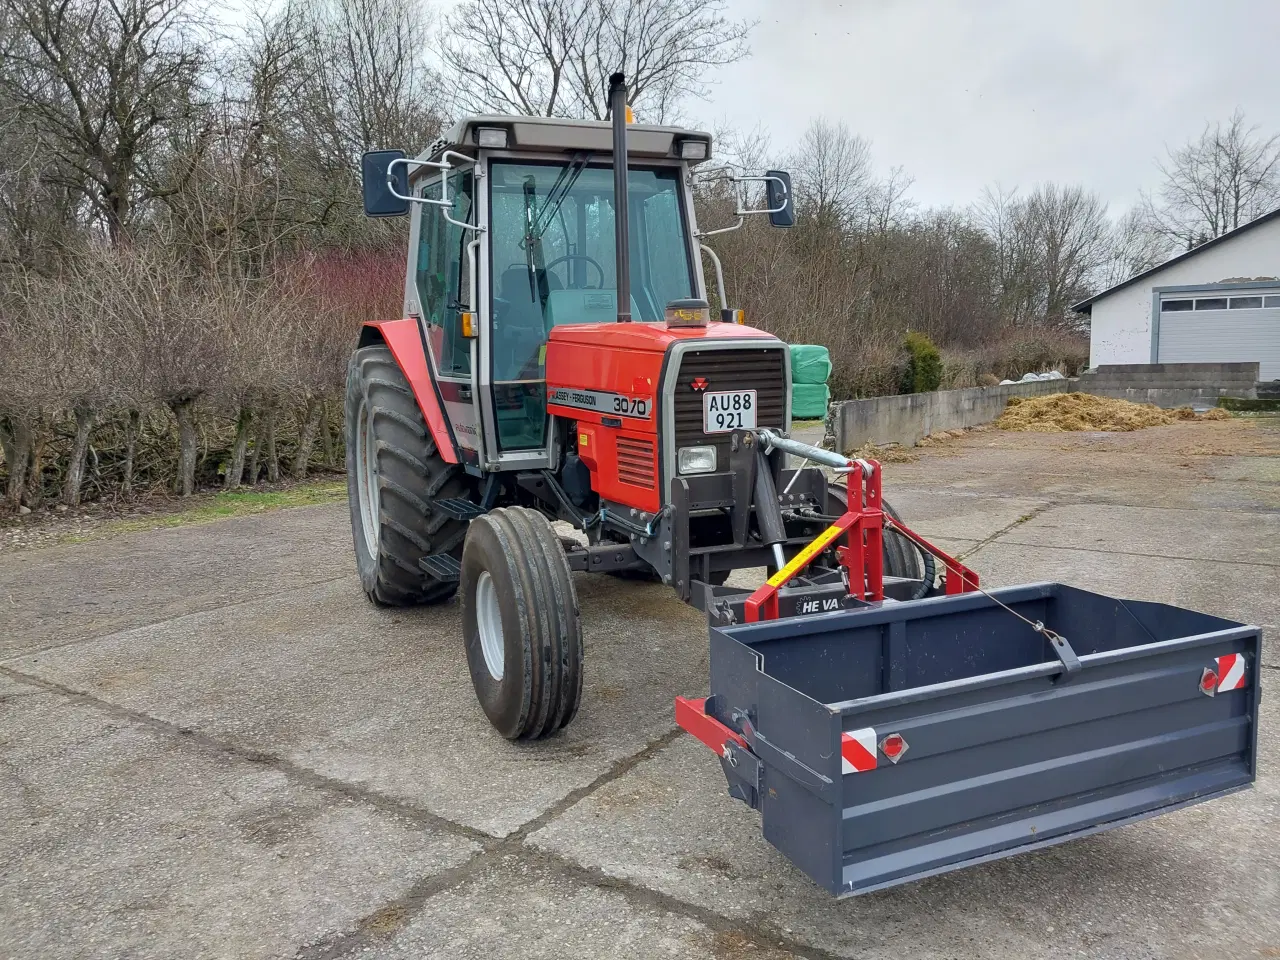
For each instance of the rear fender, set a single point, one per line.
(404, 340)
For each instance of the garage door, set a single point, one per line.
(1221, 327)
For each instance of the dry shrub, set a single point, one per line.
(960, 370)
(1216, 413)
(1015, 352)
(875, 370)
(1068, 412)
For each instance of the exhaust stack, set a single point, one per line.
(621, 211)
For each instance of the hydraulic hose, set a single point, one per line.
(926, 558)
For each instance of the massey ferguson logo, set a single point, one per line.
(699, 384)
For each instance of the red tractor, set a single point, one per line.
(557, 362)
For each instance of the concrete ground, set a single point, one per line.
(212, 746)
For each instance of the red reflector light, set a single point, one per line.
(893, 746)
(1208, 682)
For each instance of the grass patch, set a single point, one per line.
(224, 506)
(1243, 405)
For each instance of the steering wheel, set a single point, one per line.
(578, 256)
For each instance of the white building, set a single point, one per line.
(1218, 303)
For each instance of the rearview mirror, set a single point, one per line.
(379, 201)
(781, 203)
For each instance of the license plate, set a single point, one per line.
(728, 411)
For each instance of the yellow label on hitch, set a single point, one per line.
(802, 559)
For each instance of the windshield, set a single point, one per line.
(553, 262)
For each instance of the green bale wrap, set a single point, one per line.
(809, 401)
(810, 363)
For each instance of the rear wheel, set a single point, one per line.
(394, 472)
(520, 624)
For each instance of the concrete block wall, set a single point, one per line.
(905, 419)
(1171, 385)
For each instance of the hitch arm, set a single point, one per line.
(862, 525)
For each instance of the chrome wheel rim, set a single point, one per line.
(489, 622)
(367, 480)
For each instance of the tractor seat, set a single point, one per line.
(520, 332)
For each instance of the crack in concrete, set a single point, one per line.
(109, 634)
(295, 773)
(1025, 518)
(515, 845)
(1135, 553)
(492, 849)
(408, 906)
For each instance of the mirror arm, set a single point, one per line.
(746, 213)
(444, 202)
(724, 305)
(712, 233)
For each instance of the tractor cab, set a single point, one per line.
(514, 234)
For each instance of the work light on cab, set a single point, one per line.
(693, 150)
(494, 138)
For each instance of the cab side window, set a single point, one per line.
(443, 275)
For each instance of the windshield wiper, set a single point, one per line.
(532, 238)
(552, 206)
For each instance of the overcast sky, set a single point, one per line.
(963, 93)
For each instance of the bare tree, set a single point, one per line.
(1135, 246)
(1072, 237)
(1050, 249)
(554, 57)
(107, 84)
(1221, 180)
(370, 84)
(833, 177)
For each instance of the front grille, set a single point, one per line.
(637, 463)
(749, 368)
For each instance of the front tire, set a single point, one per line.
(901, 559)
(394, 472)
(520, 624)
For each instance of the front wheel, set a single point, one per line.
(520, 624)
(901, 558)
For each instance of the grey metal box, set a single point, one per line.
(1005, 749)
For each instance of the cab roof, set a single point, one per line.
(559, 135)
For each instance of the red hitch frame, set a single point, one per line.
(692, 716)
(862, 555)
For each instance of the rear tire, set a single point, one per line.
(394, 472)
(520, 624)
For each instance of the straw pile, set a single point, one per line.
(1068, 412)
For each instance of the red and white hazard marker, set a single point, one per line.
(1231, 672)
(858, 751)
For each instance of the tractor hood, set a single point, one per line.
(646, 337)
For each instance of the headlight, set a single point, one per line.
(696, 459)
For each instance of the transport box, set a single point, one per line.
(893, 741)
